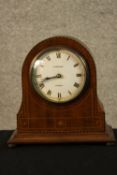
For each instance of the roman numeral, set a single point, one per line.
(70, 92)
(76, 85)
(79, 75)
(68, 57)
(41, 85)
(75, 65)
(58, 54)
(49, 92)
(59, 95)
(38, 76)
(48, 58)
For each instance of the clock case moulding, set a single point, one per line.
(41, 121)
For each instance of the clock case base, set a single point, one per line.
(39, 138)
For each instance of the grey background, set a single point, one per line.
(25, 23)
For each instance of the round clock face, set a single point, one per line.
(58, 74)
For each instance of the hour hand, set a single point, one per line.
(56, 76)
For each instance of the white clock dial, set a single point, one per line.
(58, 74)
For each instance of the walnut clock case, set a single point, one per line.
(59, 96)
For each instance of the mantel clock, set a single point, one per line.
(59, 96)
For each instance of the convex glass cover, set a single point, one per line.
(58, 74)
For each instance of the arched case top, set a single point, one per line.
(71, 43)
(89, 94)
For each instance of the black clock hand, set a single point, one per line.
(48, 78)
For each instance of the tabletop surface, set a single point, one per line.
(56, 159)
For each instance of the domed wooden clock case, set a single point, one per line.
(79, 120)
